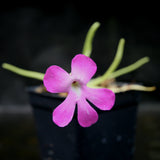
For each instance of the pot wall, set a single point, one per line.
(112, 137)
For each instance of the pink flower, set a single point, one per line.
(57, 80)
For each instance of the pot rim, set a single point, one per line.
(123, 99)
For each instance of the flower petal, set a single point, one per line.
(102, 98)
(83, 68)
(63, 114)
(86, 114)
(56, 80)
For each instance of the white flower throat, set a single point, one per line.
(76, 87)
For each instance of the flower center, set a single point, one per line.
(75, 84)
(76, 87)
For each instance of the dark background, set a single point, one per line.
(36, 35)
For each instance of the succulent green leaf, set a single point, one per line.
(23, 72)
(117, 59)
(129, 68)
(87, 47)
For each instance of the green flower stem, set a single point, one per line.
(129, 68)
(22, 72)
(113, 66)
(117, 59)
(87, 47)
(119, 72)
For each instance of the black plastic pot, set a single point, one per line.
(111, 138)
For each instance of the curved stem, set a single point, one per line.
(119, 72)
(129, 68)
(87, 47)
(117, 59)
(114, 65)
(22, 72)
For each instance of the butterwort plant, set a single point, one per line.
(80, 86)
(57, 80)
